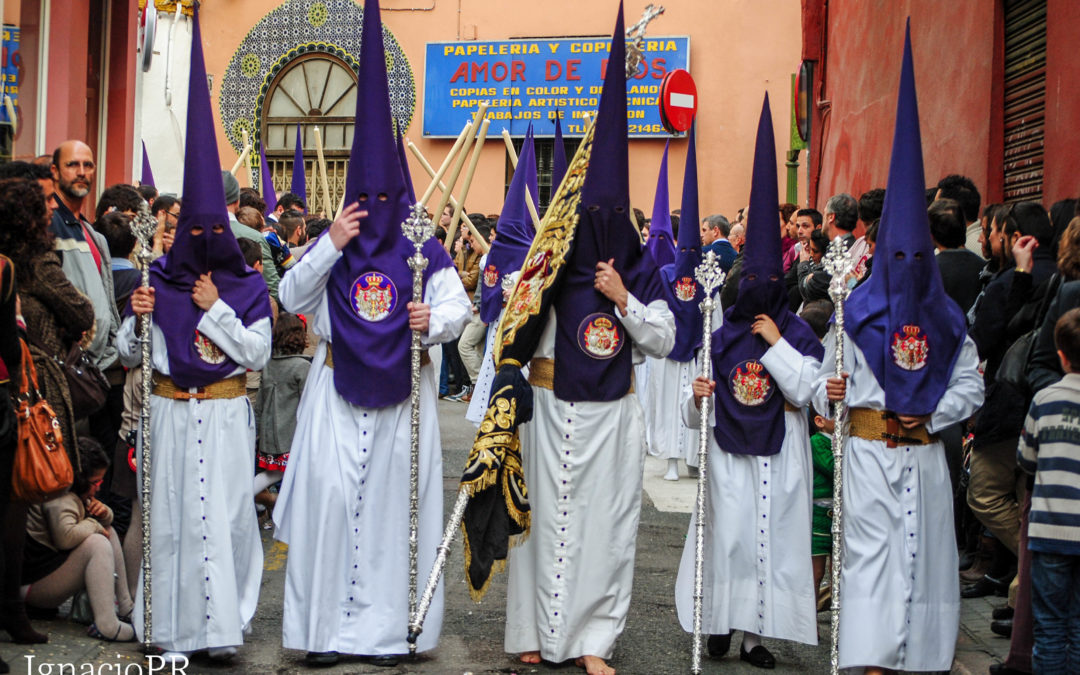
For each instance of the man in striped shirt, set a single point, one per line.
(1050, 449)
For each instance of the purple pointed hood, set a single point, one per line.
(371, 283)
(684, 292)
(558, 157)
(147, 175)
(593, 361)
(299, 175)
(514, 233)
(908, 328)
(661, 239)
(749, 405)
(269, 194)
(194, 361)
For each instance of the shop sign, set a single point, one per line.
(532, 80)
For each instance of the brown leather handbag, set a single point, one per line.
(42, 468)
(88, 386)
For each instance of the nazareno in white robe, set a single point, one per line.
(206, 554)
(569, 584)
(343, 508)
(758, 575)
(669, 437)
(481, 392)
(899, 593)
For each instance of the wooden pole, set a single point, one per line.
(459, 162)
(446, 163)
(241, 159)
(513, 162)
(452, 230)
(453, 202)
(327, 204)
(247, 144)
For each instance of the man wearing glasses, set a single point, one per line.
(84, 252)
(166, 210)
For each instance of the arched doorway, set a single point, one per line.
(315, 89)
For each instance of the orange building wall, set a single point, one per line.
(739, 49)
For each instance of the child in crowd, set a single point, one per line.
(817, 314)
(821, 456)
(1050, 449)
(71, 545)
(282, 385)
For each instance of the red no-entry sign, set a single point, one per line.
(678, 101)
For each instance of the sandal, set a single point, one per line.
(93, 632)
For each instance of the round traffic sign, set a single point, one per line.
(678, 101)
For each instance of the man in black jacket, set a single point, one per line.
(996, 482)
(959, 267)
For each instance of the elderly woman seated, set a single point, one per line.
(71, 546)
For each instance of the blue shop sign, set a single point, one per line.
(531, 80)
(10, 63)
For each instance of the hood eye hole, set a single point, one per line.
(594, 208)
(382, 197)
(773, 277)
(751, 277)
(900, 255)
(918, 255)
(362, 197)
(619, 209)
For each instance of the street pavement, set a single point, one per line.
(472, 635)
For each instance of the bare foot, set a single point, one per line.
(594, 665)
(530, 657)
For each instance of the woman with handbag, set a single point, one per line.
(10, 361)
(56, 316)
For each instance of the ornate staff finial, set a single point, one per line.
(838, 264)
(418, 228)
(709, 274)
(635, 38)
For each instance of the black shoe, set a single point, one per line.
(4, 667)
(383, 660)
(1002, 669)
(321, 659)
(1002, 628)
(986, 586)
(1002, 613)
(718, 645)
(758, 657)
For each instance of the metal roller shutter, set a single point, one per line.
(1025, 98)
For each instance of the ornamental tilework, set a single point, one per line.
(302, 27)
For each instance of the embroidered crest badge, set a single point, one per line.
(910, 349)
(374, 296)
(685, 289)
(599, 336)
(750, 383)
(207, 350)
(491, 276)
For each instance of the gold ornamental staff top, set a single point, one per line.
(187, 6)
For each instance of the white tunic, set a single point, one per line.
(899, 593)
(669, 437)
(568, 590)
(206, 555)
(482, 387)
(344, 502)
(758, 575)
